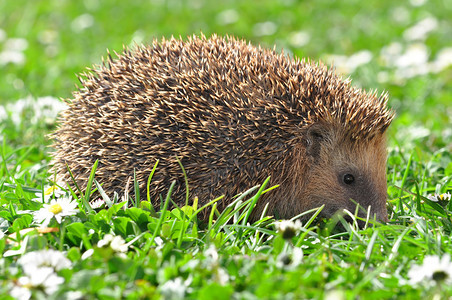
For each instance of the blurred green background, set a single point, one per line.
(403, 47)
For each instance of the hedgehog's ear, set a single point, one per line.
(314, 137)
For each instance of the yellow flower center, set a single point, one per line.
(50, 190)
(55, 209)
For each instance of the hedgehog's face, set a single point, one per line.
(344, 173)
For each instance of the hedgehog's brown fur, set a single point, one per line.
(234, 114)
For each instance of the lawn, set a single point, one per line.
(115, 252)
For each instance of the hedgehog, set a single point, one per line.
(232, 114)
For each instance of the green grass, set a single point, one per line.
(229, 258)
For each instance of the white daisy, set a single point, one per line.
(39, 268)
(40, 278)
(44, 259)
(106, 240)
(432, 270)
(287, 228)
(97, 203)
(290, 261)
(20, 293)
(221, 276)
(442, 199)
(116, 243)
(174, 289)
(57, 208)
(211, 254)
(74, 295)
(46, 109)
(159, 242)
(211, 263)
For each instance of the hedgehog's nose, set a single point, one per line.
(381, 210)
(383, 216)
(380, 213)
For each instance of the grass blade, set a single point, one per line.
(85, 199)
(162, 215)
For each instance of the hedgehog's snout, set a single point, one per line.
(370, 199)
(371, 204)
(376, 211)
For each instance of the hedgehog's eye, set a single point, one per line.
(348, 179)
(317, 135)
